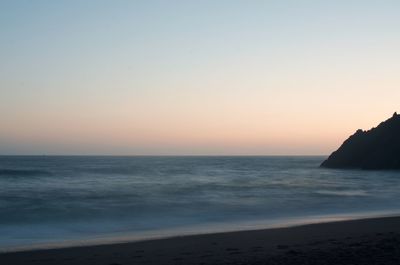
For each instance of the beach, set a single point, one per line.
(199, 132)
(364, 241)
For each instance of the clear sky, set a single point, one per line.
(194, 77)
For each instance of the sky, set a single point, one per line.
(194, 77)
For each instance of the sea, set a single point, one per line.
(56, 201)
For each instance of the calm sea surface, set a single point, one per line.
(55, 200)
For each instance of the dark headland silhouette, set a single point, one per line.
(378, 148)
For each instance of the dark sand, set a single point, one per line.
(368, 241)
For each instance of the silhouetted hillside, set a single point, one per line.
(378, 148)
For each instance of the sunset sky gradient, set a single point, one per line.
(194, 77)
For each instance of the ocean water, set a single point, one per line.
(52, 200)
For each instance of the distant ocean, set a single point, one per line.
(52, 200)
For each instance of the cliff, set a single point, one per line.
(378, 148)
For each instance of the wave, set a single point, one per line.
(23, 172)
(343, 192)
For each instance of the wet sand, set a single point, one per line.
(367, 241)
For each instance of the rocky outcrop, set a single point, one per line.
(378, 148)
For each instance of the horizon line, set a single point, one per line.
(165, 155)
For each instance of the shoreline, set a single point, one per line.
(308, 242)
(200, 230)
